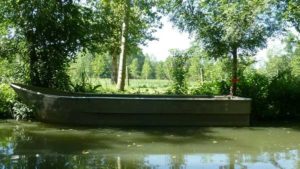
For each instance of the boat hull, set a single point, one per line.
(135, 110)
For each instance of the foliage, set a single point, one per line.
(179, 73)
(195, 69)
(293, 50)
(10, 106)
(142, 21)
(223, 25)
(147, 69)
(159, 70)
(272, 98)
(206, 88)
(100, 65)
(83, 85)
(277, 64)
(167, 66)
(136, 61)
(293, 13)
(255, 86)
(86, 64)
(7, 98)
(295, 65)
(284, 58)
(13, 69)
(50, 33)
(203, 68)
(284, 95)
(21, 111)
(133, 68)
(228, 28)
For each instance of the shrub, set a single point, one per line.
(7, 99)
(83, 85)
(10, 107)
(272, 99)
(284, 95)
(21, 111)
(207, 88)
(255, 86)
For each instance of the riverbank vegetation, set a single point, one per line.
(95, 46)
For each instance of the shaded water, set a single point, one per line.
(35, 145)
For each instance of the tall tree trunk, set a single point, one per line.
(234, 79)
(122, 60)
(114, 68)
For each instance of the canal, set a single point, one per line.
(30, 145)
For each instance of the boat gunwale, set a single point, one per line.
(67, 95)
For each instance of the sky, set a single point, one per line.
(170, 37)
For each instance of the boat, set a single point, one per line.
(53, 106)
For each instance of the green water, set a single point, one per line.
(29, 145)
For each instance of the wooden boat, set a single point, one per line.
(134, 110)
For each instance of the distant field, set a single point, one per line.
(150, 86)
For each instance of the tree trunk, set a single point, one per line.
(201, 76)
(33, 59)
(234, 79)
(33, 62)
(119, 163)
(123, 47)
(114, 68)
(33, 74)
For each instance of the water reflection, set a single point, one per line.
(37, 146)
(154, 161)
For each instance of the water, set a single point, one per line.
(29, 145)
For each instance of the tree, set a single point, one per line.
(197, 61)
(143, 20)
(277, 64)
(292, 49)
(295, 63)
(82, 65)
(195, 69)
(123, 47)
(149, 19)
(134, 68)
(147, 70)
(159, 70)
(167, 66)
(90, 64)
(100, 65)
(293, 13)
(227, 27)
(285, 59)
(50, 34)
(179, 72)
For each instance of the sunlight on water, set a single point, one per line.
(35, 145)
